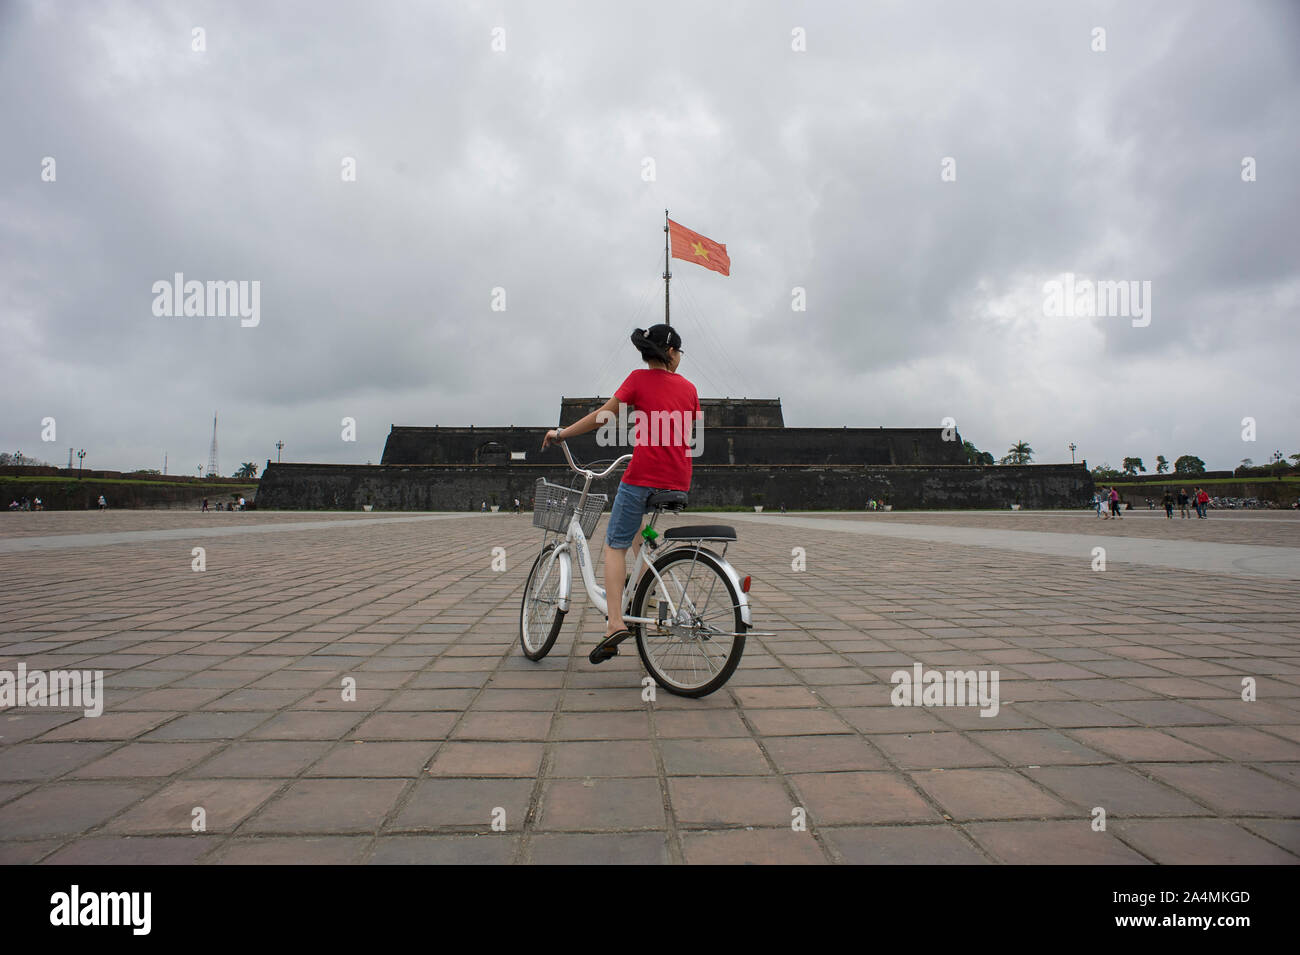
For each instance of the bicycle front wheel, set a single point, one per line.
(540, 616)
(695, 650)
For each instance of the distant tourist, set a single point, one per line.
(483, 507)
(516, 505)
(241, 503)
(39, 505)
(1202, 502)
(1097, 501)
(103, 504)
(783, 507)
(205, 505)
(1114, 502)
(1169, 505)
(13, 505)
(1182, 501)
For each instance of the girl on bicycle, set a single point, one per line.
(661, 463)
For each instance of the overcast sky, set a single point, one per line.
(525, 169)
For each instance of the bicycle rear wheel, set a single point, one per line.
(540, 616)
(696, 651)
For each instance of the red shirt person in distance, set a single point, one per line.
(665, 432)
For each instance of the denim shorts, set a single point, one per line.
(625, 516)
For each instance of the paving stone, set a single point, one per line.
(66, 808)
(225, 804)
(437, 804)
(605, 758)
(584, 848)
(968, 794)
(1052, 842)
(1190, 841)
(43, 761)
(1142, 745)
(595, 804)
(145, 759)
(487, 759)
(329, 806)
(254, 758)
(715, 757)
(903, 845)
(861, 799)
(199, 726)
(934, 750)
(292, 850)
(822, 754)
(1038, 748)
(1230, 788)
(730, 801)
(444, 850)
(359, 758)
(1117, 789)
(134, 850)
(757, 847)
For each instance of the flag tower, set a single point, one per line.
(212, 454)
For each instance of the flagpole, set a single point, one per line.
(667, 274)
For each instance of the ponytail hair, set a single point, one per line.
(653, 344)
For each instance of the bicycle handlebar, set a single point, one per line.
(564, 445)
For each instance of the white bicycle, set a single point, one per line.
(686, 605)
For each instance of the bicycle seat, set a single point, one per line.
(672, 500)
(692, 532)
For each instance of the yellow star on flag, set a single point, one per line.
(700, 250)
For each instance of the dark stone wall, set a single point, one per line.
(456, 488)
(718, 412)
(754, 446)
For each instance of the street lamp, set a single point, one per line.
(1072, 448)
(199, 470)
(278, 446)
(81, 456)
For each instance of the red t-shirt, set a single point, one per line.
(665, 403)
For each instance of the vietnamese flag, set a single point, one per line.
(694, 247)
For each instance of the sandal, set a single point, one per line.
(609, 646)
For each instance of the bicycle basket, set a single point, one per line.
(553, 506)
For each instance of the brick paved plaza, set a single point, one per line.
(1120, 689)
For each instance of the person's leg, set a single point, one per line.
(624, 523)
(615, 571)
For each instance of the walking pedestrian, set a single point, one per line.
(1114, 502)
(1202, 502)
(1169, 506)
(1182, 502)
(103, 504)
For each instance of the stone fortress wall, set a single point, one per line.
(748, 458)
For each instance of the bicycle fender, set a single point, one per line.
(566, 575)
(735, 582)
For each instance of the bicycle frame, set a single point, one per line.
(575, 543)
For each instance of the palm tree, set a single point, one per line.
(1020, 453)
(247, 470)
